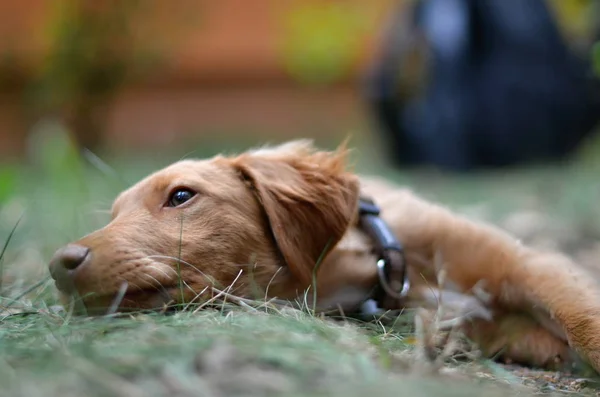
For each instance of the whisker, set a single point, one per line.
(208, 278)
(152, 266)
(185, 156)
(137, 286)
(229, 289)
(158, 283)
(174, 258)
(102, 166)
(166, 266)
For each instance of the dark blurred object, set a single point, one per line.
(502, 86)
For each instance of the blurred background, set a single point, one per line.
(145, 75)
(95, 94)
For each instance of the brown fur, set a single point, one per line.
(273, 213)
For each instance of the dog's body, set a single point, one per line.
(270, 220)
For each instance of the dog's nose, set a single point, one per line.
(64, 262)
(70, 256)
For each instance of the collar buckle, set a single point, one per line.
(391, 266)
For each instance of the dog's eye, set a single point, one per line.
(179, 197)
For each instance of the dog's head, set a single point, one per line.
(262, 219)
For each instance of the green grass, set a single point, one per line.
(237, 349)
(235, 352)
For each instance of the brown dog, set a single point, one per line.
(266, 218)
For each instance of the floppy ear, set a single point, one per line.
(309, 198)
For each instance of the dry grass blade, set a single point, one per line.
(27, 291)
(5, 247)
(114, 306)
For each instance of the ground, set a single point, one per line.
(255, 349)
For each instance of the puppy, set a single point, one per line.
(284, 220)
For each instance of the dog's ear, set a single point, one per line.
(309, 197)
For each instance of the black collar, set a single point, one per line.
(393, 283)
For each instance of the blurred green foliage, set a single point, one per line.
(86, 56)
(50, 188)
(8, 182)
(95, 48)
(320, 42)
(90, 53)
(56, 156)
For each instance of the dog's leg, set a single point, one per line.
(518, 279)
(518, 338)
(508, 336)
(551, 285)
(522, 280)
(525, 281)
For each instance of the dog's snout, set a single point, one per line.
(70, 257)
(64, 262)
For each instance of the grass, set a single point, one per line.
(207, 353)
(249, 350)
